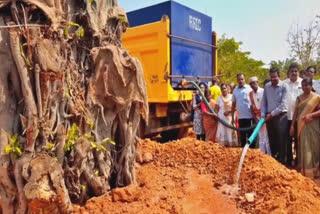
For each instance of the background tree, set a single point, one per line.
(231, 61)
(304, 42)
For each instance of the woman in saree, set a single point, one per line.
(209, 119)
(307, 115)
(197, 115)
(225, 136)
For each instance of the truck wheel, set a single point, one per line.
(141, 129)
(182, 133)
(169, 135)
(173, 134)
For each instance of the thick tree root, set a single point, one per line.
(46, 188)
(71, 100)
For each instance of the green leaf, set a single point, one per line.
(112, 142)
(13, 146)
(93, 145)
(90, 138)
(102, 147)
(107, 140)
(49, 146)
(96, 172)
(91, 124)
(72, 137)
(73, 24)
(18, 151)
(81, 32)
(67, 94)
(24, 56)
(7, 149)
(123, 19)
(14, 139)
(66, 31)
(83, 187)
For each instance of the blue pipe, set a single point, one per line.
(256, 130)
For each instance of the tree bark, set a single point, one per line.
(70, 104)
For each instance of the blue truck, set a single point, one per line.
(174, 43)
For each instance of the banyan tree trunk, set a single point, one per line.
(71, 100)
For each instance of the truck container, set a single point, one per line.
(190, 37)
(173, 42)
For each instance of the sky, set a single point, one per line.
(262, 25)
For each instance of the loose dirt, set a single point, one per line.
(194, 177)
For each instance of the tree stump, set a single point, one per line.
(71, 100)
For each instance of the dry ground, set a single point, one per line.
(190, 177)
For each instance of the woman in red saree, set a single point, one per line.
(209, 120)
(307, 115)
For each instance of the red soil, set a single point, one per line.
(189, 176)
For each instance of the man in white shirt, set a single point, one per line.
(255, 99)
(316, 83)
(294, 90)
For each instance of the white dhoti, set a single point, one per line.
(264, 140)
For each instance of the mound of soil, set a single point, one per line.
(190, 176)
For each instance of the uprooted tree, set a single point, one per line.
(71, 99)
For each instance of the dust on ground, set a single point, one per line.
(189, 176)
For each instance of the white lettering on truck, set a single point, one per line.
(194, 23)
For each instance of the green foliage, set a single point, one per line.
(231, 61)
(79, 32)
(94, 145)
(123, 19)
(102, 145)
(96, 172)
(72, 137)
(83, 187)
(27, 61)
(89, 138)
(91, 124)
(14, 147)
(107, 140)
(49, 146)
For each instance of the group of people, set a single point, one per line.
(291, 109)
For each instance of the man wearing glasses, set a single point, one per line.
(310, 73)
